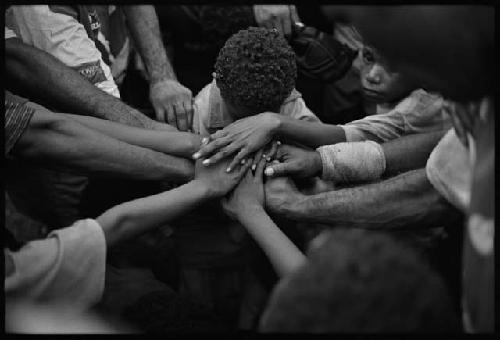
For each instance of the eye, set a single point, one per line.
(368, 57)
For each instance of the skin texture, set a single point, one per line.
(133, 218)
(401, 155)
(380, 83)
(56, 140)
(41, 76)
(427, 43)
(403, 202)
(245, 204)
(175, 143)
(171, 101)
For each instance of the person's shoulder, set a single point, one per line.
(295, 107)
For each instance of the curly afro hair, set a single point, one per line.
(361, 281)
(256, 69)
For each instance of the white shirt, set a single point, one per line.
(66, 267)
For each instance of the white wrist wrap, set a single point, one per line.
(352, 162)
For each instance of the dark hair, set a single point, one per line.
(256, 69)
(219, 22)
(361, 281)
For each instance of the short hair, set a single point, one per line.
(361, 281)
(256, 69)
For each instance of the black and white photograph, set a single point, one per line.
(249, 168)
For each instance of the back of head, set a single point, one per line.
(360, 281)
(256, 69)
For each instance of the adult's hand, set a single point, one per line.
(216, 179)
(281, 195)
(295, 162)
(280, 17)
(244, 136)
(172, 103)
(248, 193)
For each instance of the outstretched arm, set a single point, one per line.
(176, 143)
(405, 201)
(55, 139)
(246, 204)
(133, 218)
(40, 75)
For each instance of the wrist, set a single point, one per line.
(204, 189)
(249, 210)
(275, 122)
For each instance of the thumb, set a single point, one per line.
(279, 169)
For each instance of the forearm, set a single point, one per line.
(409, 152)
(61, 142)
(404, 201)
(309, 133)
(40, 75)
(133, 218)
(177, 143)
(283, 254)
(145, 29)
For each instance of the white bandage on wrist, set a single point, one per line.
(352, 162)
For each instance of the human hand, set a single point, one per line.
(248, 193)
(295, 162)
(216, 179)
(172, 103)
(246, 136)
(281, 195)
(280, 17)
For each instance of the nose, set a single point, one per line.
(374, 75)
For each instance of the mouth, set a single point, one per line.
(372, 94)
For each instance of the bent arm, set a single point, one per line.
(283, 254)
(54, 139)
(177, 143)
(136, 217)
(405, 201)
(40, 75)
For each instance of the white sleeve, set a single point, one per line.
(66, 267)
(66, 39)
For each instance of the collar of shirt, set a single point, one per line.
(218, 113)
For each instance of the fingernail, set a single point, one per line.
(254, 166)
(243, 161)
(278, 143)
(263, 156)
(196, 155)
(268, 159)
(269, 171)
(204, 140)
(206, 162)
(228, 170)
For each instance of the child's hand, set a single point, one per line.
(296, 162)
(244, 136)
(249, 192)
(216, 178)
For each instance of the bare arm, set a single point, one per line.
(138, 216)
(409, 152)
(171, 100)
(245, 203)
(283, 254)
(311, 134)
(404, 201)
(42, 76)
(177, 143)
(55, 139)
